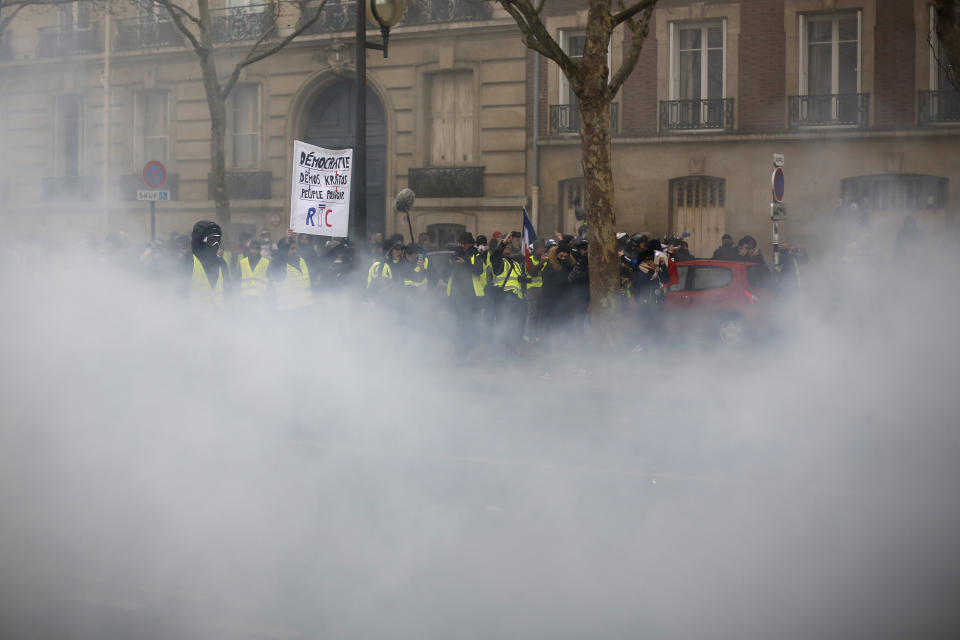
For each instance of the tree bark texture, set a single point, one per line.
(595, 88)
(216, 103)
(595, 98)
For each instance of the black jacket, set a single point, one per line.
(648, 286)
(726, 253)
(462, 274)
(208, 255)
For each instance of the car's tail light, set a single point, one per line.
(750, 297)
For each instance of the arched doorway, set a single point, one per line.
(330, 124)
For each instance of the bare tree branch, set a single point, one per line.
(177, 14)
(948, 32)
(627, 13)
(171, 7)
(639, 28)
(254, 56)
(536, 37)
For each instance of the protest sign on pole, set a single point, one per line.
(320, 199)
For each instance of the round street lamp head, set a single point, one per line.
(385, 13)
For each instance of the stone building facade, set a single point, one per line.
(849, 91)
(445, 115)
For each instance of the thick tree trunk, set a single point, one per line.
(595, 97)
(218, 128)
(601, 220)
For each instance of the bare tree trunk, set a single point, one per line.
(216, 103)
(595, 97)
(601, 219)
(595, 88)
(218, 131)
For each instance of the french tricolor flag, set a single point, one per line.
(528, 237)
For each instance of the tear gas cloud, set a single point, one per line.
(166, 474)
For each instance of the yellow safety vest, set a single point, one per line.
(294, 291)
(380, 269)
(200, 289)
(421, 273)
(509, 278)
(253, 282)
(537, 280)
(478, 280)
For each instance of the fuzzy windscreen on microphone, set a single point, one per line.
(404, 200)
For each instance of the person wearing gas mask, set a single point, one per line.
(210, 280)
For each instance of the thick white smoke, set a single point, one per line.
(168, 474)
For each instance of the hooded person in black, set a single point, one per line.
(206, 249)
(555, 308)
(579, 283)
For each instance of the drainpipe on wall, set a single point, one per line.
(535, 187)
(106, 121)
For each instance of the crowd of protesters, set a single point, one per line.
(487, 287)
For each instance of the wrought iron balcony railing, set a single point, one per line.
(565, 118)
(340, 15)
(686, 115)
(446, 182)
(935, 107)
(69, 40)
(145, 33)
(439, 11)
(245, 185)
(838, 109)
(236, 24)
(74, 188)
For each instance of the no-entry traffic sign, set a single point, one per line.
(154, 174)
(777, 184)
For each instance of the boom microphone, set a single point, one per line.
(404, 200)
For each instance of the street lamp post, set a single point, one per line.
(385, 13)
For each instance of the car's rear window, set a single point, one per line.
(758, 276)
(710, 278)
(681, 284)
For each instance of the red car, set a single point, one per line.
(721, 298)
